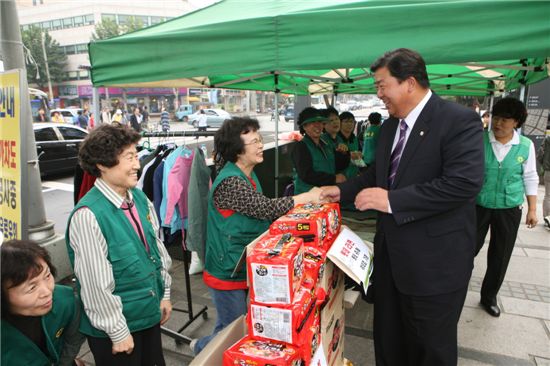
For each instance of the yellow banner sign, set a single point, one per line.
(10, 155)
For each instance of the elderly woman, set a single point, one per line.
(39, 318)
(313, 158)
(510, 173)
(119, 261)
(238, 212)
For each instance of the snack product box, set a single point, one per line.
(256, 352)
(285, 323)
(275, 269)
(333, 218)
(332, 329)
(312, 227)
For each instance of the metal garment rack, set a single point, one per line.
(192, 316)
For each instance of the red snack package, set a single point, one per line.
(314, 263)
(312, 227)
(275, 269)
(333, 218)
(255, 352)
(285, 323)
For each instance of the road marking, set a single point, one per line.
(48, 190)
(61, 186)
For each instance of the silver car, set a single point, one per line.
(214, 117)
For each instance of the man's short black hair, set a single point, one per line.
(510, 108)
(327, 112)
(103, 146)
(403, 63)
(346, 115)
(228, 143)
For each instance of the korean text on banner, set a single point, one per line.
(10, 155)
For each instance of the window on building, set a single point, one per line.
(67, 22)
(70, 49)
(123, 19)
(156, 20)
(46, 25)
(25, 27)
(89, 19)
(83, 74)
(108, 17)
(78, 21)
(33, 2)
(81, 48)
(73, 75)
(56, 24)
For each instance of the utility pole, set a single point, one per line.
(50, 94)
(39, 228)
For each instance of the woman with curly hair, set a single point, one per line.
(118, 258)
(238, 212)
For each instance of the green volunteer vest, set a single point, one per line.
(137, 274)
(226, 237)
(503, 186)
(323, 161)
(353, 145)
(370, 139)
(17, 349)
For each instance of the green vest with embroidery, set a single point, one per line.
(226, 237)
(17, 349)
(353, 145)
(370, 140)
(322, 156)
(137, 274)
(503, 185)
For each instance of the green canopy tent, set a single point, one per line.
(304, 47)
(472, 47)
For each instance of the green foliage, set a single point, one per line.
(105, 29)
(108, 28)
(57, 60)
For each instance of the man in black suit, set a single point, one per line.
(427, 172)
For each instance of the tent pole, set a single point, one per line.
(522, 93)
(276, 136)
(491, 101)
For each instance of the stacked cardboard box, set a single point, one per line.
(296, 295)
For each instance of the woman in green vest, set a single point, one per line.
(119, 260)
(347, 136)
(510, 174)
(370, 138)
(332, 137)
(238, 212)
(313, 158)
(39, 318)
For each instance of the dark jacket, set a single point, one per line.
(430, 236)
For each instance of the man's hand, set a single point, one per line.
(531, 219)
(340, 178)
(165, 311)
(342, 147)
(372, 198)
(126, 345)
(330, 194)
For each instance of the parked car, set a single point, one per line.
(214, 117)
(57, 146)
(183, 112)
(69, 114)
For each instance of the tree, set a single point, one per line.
(107, 28)
(57, 60)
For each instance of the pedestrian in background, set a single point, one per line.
(165, 120)
(135, 120)
(118, 258)
(117, 117)
(57, 117)
(202, 121)
(145, 115)
(486, 119)
(427, 172)
(39, 318)
(83, 119)
(544, 160)
(510, 174)
(370, 138)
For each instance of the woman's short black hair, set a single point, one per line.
(346, 115)
(103, 146)
(329, 112)
(227, 140)
(375, 118)
(19, 261)
(510, 108)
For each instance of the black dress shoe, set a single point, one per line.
(493, 310)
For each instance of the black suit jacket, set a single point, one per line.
(430, 236)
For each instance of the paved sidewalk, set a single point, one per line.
(520, 336)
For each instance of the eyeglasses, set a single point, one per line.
(256, 141)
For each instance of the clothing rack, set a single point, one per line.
(176, 335)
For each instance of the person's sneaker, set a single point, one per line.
(192, 345)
